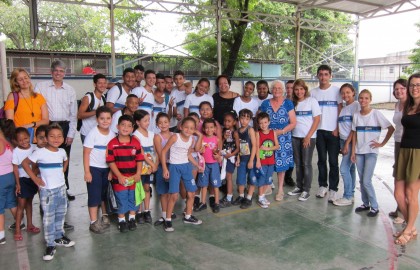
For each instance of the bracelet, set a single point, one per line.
(34, 124)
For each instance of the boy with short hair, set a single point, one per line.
(179, 95)
(125, 160)
(145, 93)
(96, 169)
(139, 73)
(327, 139)
(52, 162)
(131, 105)
(245, 162)
(117, 95)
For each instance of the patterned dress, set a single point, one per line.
(279, 120)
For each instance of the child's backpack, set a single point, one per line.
(89, 108)
(16, 103)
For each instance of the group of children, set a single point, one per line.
(193, 162)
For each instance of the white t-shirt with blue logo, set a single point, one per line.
(113, 96)
(328, 101)
(192, 102)
(345, 119)
(19, 155)
(50, 165)
(97, 141)
(305, 110)
(368, 128)
(148, 100)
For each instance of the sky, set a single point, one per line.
(378, 37)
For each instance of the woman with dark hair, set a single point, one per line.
(400, 93)
(408, 170)
(223, 100)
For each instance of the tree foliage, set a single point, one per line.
(265, 41)
(68, 27)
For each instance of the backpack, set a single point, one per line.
(16, 103)
(89, 108)
(119, 87)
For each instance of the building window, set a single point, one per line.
(391, 70)
(22, 63)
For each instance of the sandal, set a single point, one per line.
(33, 229)
(413, 232)
(279, 197)
(18, 237)
(403, 239)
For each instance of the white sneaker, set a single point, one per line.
(332, 196)
(294, 192)
(262, 204)
(304, 196)
(322, 191)
(343, 202)
(267, 202)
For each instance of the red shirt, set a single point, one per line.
(267, 157)
(125, 156)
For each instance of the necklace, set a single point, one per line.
(32, 105)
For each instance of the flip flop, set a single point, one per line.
(33, 229)
(413, 233)
(18, 237)
(403, 239)
(279, 197)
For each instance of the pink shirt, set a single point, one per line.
(6, 158)
(209, 143)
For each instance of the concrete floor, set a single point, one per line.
(288, 235)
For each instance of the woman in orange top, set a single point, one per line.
(32, 110)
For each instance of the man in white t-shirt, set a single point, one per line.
(145, 93)
(327, 140)
(179, 95)
(117, 95)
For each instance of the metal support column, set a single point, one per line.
(4, 81)
(356, 52)
(219, 35)
(112, 22)
(297, 49)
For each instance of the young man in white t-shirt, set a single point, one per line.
(145, 94)
(327, 140)
(117, 95)
(179, 95)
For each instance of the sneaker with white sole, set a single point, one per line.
(322, 191)
(262, 204)
(167, 226)
(343, 202)
(267, 202)
(294, 192)
(304, 196)
(64, 241)
(49, 253)
(332, 196)
(192, 220)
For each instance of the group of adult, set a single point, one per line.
(55, 101)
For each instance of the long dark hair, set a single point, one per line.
(409, 104)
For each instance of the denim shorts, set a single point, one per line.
(243, 172)
(178, 171)
(7, 192)
(28, 188)
(267, 177)
(126, 201)
(230, 167)
(97, 189)
(146, 179)
(162, 186)
(211, 175)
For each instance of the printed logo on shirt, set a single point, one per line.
(303, 113)
(345, 118)
(133, 151)
(368, 129)
(327, 103)
(267, 153)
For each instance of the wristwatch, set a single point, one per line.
(34, 124)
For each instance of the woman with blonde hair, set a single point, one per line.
(31, 110)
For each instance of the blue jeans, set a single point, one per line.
(54, 205)
(365, 167)
(348, 172)
(327, 143)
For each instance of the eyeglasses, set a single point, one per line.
(412, 86)
(58, 70)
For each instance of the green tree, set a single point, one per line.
(264, 41)
(133, 24)
(415, 57)
(61, 27)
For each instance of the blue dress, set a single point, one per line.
(279, 120)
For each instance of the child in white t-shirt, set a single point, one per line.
(367, 125)
(96, 169)
(192, 102)
(52, 162)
